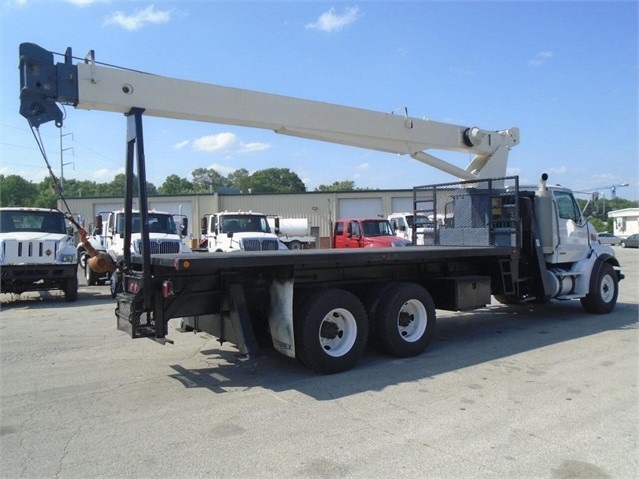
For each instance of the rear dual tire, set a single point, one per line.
(331, 329)
(402, 319)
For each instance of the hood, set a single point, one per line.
(385, 242)
(34, 236)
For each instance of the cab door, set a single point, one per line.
(571, 229)
(354, 236)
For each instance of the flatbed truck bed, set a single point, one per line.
(249, 297)
(210, 261)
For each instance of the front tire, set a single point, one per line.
(71, 290)
(82, 258)
(331, 329)
(90, 275)
(404, 320)
(295, 245)
(603, 298)
(115, 284)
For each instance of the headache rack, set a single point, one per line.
(470, 213)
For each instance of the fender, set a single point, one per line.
(590, 267)
(596, 267)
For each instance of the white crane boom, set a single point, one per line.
(93, 87)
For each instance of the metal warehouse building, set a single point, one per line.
(320, 208)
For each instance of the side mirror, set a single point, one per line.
(184, 230)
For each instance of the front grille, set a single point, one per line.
(30, 251)
(260, 244)
(162, 246)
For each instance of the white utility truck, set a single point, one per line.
(522, 245)
(232, 231)
(108, 235)
(37, 252)
(293, 232)
(413, 227)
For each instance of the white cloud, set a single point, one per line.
(181, 144)
(255, 146)
(213, 143)
(225, 142)
(139, 19)
(106, 175)
(330, 21)
(363, 166)
(540, 59)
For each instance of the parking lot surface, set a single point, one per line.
(547, 391)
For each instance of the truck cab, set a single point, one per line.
(231, 231)
(406, 224)
(37, 252)
(165, 236)
(365, 233)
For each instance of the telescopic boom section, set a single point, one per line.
(93, 87)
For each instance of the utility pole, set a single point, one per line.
(62, 163)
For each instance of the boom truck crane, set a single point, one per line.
(522, 245)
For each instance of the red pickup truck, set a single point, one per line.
(365, 233)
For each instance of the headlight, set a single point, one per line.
(68, 258)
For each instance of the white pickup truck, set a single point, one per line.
(164, 234)
(37, 252)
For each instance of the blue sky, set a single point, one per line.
(564, 72)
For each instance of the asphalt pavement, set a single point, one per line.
(532, 392)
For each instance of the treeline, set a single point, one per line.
(16, 191)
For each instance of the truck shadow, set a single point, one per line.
(463, 339)
(87, 296)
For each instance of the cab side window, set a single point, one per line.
(567, 206)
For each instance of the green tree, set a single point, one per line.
(275, 180)
(16, 191)
(47, 194)
(239, 179)
(344, 185)
(205, 180)
(117, 186)
(174, 185)
(80, 188)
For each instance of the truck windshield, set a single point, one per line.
(42, 221)
(420, 222)
(377, 228)
(244, 223)
(158, 223)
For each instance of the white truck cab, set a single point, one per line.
(37, 252)
(108, 235)
(239, 231)
(405, 224)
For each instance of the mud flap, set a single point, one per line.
(280, 317)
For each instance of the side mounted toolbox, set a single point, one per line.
(460, 293)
